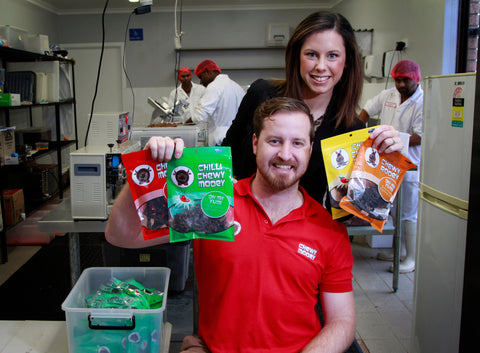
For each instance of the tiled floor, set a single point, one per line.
(383, 317)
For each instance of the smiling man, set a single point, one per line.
(259, 293)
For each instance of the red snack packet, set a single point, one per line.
(147, 180)
(374, 182)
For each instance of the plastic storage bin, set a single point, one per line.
(13, 37)
(115, 330)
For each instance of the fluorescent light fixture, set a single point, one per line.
(134, 0)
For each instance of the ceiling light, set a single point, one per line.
(134, 0)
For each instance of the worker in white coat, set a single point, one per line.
(402, 107)
(187, 90)
(219, 104)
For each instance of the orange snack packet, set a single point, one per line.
(374, 183)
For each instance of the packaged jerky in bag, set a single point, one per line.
(200, 194)
(339, 154)
(147, 180)
(374, 182)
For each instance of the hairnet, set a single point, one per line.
(407, 68)
(182, 70)
(206, 64)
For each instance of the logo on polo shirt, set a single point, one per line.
(307, 251)
(237, 227)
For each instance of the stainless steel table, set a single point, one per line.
(60, 220)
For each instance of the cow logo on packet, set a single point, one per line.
(374, 183)
(200, 194)
(339, 154)
(147, 180)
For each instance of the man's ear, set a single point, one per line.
(254, 143)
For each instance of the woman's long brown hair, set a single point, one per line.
(348, 90)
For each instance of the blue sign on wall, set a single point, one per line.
(136, 33)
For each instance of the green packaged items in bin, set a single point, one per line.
(125, 295)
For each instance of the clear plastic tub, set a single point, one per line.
(115, 330)
(13, 37)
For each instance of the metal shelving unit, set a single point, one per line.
(16, 55)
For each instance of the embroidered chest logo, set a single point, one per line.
(391, 105)
(307, 251)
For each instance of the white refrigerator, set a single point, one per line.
(448, 119)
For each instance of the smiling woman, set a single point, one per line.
(323, 68)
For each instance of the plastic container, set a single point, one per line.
(13, 37)
(115, 330)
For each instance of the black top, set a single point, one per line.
(239, 138)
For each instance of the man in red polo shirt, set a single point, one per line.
(259, 293)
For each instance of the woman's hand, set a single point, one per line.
(163, 148)
(386, 139)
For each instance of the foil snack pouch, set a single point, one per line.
(147, 180)
(339, 154)
(374, 183)
(200, 194)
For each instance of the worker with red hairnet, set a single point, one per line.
(187, 90)
(219, 103)
(402, 107)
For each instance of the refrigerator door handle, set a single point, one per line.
(452, 200)
(459, 212)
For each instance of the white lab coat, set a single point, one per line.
(218, 107)
(193, 99)
(405, 117)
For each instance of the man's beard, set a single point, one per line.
(280, 182)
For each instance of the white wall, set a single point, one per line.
(420, 22)
(150, 63)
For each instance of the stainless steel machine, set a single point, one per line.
(96, 177)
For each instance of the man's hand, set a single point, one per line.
(163, 148)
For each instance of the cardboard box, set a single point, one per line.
(13, 206)
(9, 99)
(7, 143)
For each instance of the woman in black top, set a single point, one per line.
(323, 68)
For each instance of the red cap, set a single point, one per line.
(407, 68)
(206, 64)
(182, 70)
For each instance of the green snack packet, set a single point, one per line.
(200, 194)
